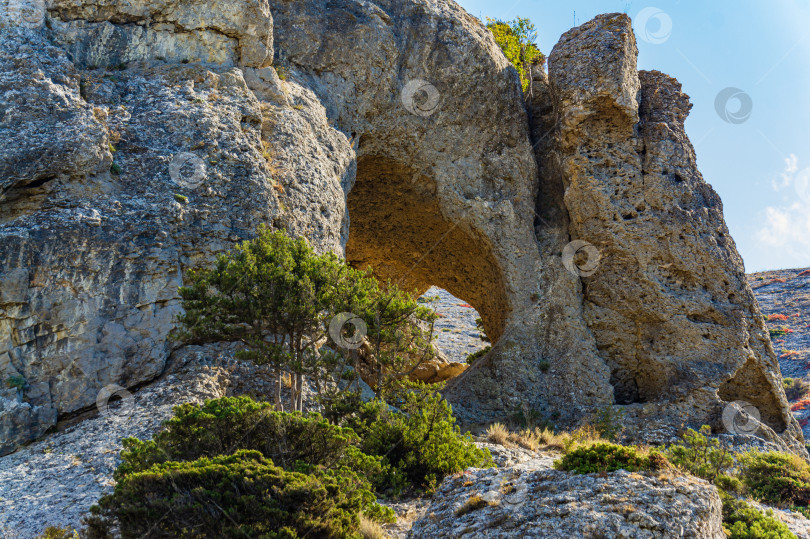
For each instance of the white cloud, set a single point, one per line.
(786, 228)
(787, 177)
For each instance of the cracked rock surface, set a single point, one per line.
(531, 500)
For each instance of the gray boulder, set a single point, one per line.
(531, 500)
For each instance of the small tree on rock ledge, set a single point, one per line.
(517, 41)
(277, 297)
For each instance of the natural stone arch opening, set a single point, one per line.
(397, 228)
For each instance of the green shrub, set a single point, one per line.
(240, 495)
(742, 521)
(608, 422)
(778, 332)
(795, 388)
(16, 381)
(479, 325)
(700, 455)
(54, 532)
(729, 483)
(338, 405)
(517, 41)
(475, 355)
(296, 442)
(420, 442)
(777, 478)
(608, 457)
(223, 426)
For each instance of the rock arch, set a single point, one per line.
(667, 325)
(397, 228)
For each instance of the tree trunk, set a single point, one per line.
(300, 392)
(277, 396)
(293, 392)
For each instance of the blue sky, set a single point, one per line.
(760, 165)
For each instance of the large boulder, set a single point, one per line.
(658, 309)
(531, 500)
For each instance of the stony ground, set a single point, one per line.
(54, 481)
(532, 500)
(412, 510)
(784, 298)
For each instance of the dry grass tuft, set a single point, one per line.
(544, 438)
(497, 433)
(527, 439)
(549, 439)
(473, 504)
(370, 530)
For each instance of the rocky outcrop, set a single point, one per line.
(93, 252)
(670, 309)
(436, 370)
(659, 311)
(142, 139)
(106, 245)
(531, 500)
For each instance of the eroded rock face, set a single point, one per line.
(531, 500)
(106, 33)
(666, 320)
(93, 254)
(669, 306)
(106, 247)
(443, 194)
(145, 138)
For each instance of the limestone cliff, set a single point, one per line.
(140, 139)
(665, 319)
